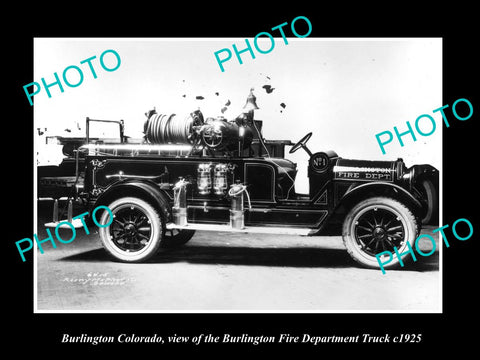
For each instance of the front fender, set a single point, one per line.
(425, 172)
(424, 181)
(356, 193)
(418, 173)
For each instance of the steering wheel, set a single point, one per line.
(301, 143)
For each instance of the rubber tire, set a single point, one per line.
(431, 194)
(156, 222)
(409, 223)
(175, 241)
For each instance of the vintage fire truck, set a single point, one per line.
(189, 173)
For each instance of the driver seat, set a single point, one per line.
(287, 171)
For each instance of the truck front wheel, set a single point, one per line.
(376, 225)
(136, 231)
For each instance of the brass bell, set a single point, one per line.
(251, 103)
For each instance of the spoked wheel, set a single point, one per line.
(376, 225)
(173, 238)
(136, 230)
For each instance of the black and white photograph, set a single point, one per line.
(215, 179)
(262, 187)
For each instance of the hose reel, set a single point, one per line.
(171, 128)
(213, 133)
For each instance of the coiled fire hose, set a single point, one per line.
(237, 189)
(173, 129)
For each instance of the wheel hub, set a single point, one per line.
(130, 230)
(379, 229)
(379, 233)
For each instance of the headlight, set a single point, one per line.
(404, 175)
(408, 176)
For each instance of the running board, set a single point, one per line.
(76, 223)
(248, 229)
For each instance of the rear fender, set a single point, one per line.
(145, 190)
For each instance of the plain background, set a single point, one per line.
(343, 90)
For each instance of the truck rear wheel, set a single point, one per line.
(175, 238)
(379, 224)
(136, 232)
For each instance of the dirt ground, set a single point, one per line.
(225, 272)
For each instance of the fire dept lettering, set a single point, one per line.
(356, 173)
(347, 175)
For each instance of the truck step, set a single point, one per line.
(77, 223)
(248, 229)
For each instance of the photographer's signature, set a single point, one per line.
(98, 278)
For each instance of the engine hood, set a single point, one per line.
(365, 170)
